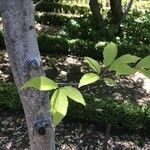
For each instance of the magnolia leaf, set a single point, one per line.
(40, 83)
(126, 59)
(88, 78)
(74, 94)
(146, 72)
(110, 53)
(59, 106)
(121, 66)
(144, 63)
(57, 118)
(125, 70)
(93, 64)
(122, 69)
(109, 82)
(59, 102)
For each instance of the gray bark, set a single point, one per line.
(21, 43)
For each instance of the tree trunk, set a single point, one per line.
(116, 11)
(21, 43)
(95, 8)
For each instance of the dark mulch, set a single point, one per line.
(69, 136)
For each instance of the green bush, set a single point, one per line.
(62, 45)
(120, 114)
(83, 2)
(83, 48)
(78, 36)
(9, 97)
(53, 44)
(62, 8)
(51, 18)
(126, 114)
(135, 38)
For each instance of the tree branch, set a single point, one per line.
(107, 135)
(73, 84)
(38, 3)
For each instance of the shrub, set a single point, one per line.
(125, 114)
(82, 48)
(62, 45)
(78, 36)
(121, 114)
(53, 44)
(62, 8)
(9, 97)
(51, 18)
(135, 31)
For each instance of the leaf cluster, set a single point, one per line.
(121, 66)
(59, 99)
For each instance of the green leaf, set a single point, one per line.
(93, 64)
(57, 118)
(74, 94)
(40, 83)
(88, 78)
(110, 53)
(59, 101)
(122, 69)
(121, 66)
(126, 59)
(59, 105)
(109, 82)
(146, 72)
(144, 63)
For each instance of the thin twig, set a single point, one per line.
(107, 135)
(74, 84)
(35, 5)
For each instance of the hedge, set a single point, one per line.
(61, 45)
(52, 44)
(126, 115)
(53, 18)
(83, 2)
(9, 97)
(62, 8)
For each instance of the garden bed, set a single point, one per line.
(125, 105)
(69, 135)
